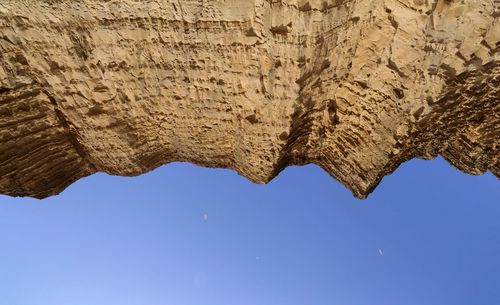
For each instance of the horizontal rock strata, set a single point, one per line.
(355, 86)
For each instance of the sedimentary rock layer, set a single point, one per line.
(357, 87)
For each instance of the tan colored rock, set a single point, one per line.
(355, 86)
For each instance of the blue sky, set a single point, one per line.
(185, 235)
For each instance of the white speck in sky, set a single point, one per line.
(205, 217)
(380, 252)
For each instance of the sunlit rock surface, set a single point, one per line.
(355, 86)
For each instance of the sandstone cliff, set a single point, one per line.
(356, 86)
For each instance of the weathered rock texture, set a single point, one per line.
(355, 86)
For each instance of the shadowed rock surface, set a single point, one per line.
(357, 87)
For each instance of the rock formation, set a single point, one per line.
(355, 86)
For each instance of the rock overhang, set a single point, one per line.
(356, 87)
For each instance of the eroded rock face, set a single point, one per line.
(355, 86)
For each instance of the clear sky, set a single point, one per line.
(184, 235)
